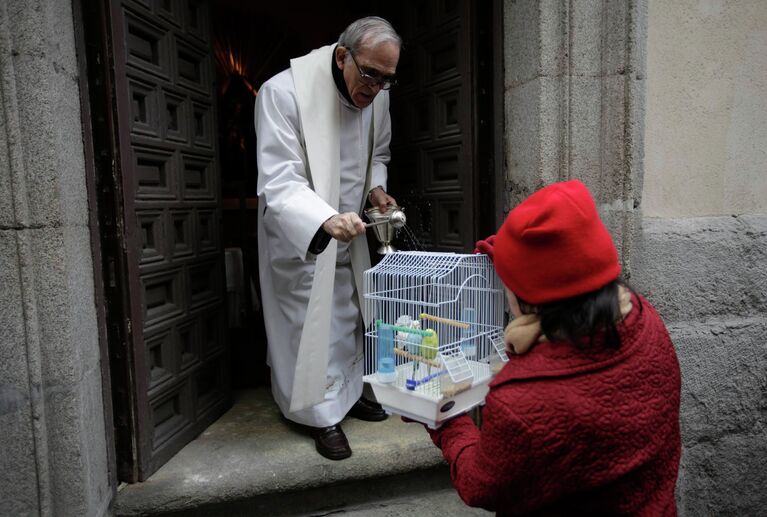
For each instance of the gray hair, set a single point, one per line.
(368, 32)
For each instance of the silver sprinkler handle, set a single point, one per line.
(397, 219)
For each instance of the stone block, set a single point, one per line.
(18, 480)
(603, 37)
(553, 37)
(34, 126)
(75, 419)
(535, 40)
(521, 138)
(534, 132)
(61, 337)
(724, 478)
(587, 41)
(755, 258)
(69, 167)
(36, 130)
(724, 387)
(45, 120)
(553, 125)
(580, 134)
(616, 31)
(586, 154)
(757, 226)
(97, 489)
(521, 42)
(724, 376)
(12, 332)
(620, 222)
(7, 216)
(64, 291)
(80, 292)
(615, 173)
(61, 47)
(586, 38)
(637, 58)
(699, 268)
(634, 138)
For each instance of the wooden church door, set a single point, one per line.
(442, 169)
(160, 212)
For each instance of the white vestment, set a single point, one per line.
(317, 156)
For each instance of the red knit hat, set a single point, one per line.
(553, 245)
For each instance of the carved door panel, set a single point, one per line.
(175, 357)
(433, 171)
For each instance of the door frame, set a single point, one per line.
(487, 69)
(100, 138)
(89, 48)
(490, 128)
(116, 248)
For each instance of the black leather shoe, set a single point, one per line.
(368, 410)
(331, 442)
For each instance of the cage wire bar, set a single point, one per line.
(435, 322)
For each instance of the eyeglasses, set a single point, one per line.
(373, 77)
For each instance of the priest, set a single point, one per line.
(323, 132)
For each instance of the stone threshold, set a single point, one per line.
(251, 460)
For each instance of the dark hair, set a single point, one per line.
(585, 315)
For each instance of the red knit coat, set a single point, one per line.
(571, 432)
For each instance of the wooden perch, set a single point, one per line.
(445, 321)
(418, 358)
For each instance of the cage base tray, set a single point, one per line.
(429, 410)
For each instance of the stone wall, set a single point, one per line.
(708, 278)
(706, 108)
(575, 98)
(706, 144)
(574, 102)
(54, 452)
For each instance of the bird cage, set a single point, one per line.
(435, 334)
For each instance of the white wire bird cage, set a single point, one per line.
(436, 332)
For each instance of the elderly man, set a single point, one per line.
(323, 132)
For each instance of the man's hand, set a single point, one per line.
(380, 199)
(344, 227)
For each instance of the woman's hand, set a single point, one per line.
(485, 246)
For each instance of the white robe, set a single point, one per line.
(312, 164)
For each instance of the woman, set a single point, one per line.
(584, 418)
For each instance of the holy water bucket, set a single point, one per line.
(384, 225)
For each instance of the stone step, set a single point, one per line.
(253, 462)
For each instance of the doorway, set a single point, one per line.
(177, 182)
